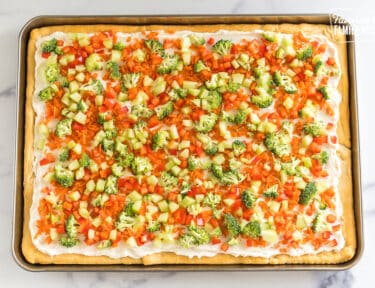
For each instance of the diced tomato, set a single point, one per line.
(210, 41)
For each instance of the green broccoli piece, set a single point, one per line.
(153, 227)
(212, 200)
(99, 200)
(217, 171)
(102, 117)
(63, 176)
(319, 224)
(238, 147)
(240, 117)
(107, 145)
(118, 46)
(233, 87)
(252, 229)
(168, 181)
(231, 178)
(126, 160)
(277, 143)
(307, 193)
(121, 149)
(111, 185)
(130, 80)
(64, 128)
(232, 225)
(192, 163)
(94, 85)
(160, 139)
(304, 53)
(52, 72)
(114, 70)
(124, 221)
(46, 93)
(93, 62)
(271, 192)
(322, 157)
(263, 99)
(168, 64)
(185, 187)
(141, 111)
(128, 209)
(164, 110)
(314, 128)
(206, 123)
(214, 100)
(199, 66)
(50, 46)
(186, 240)
(140, 166)
(248, 198)
(71, 227)
(197, 40)
(319, 66)
(200, 235)
(284, 81)
(325, 92)
(64, 154)
(68, 242)
(211, 148)
(155, 47)
(222, 47)
(85, 160)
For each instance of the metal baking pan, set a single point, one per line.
(41, 21)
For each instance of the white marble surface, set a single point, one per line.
(13, 14)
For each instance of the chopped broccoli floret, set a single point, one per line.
(314, 128)
(85, 160)
(206, 123)
(307, 193)
(252, 229)
(238, 147)
(124, 221)
(231, 178)
(141, 111)
(284, 81)
(93, 62)
(185, 187)
(118, 46)
(114, 70)
(214, 99)
(233, 87)
(239, 117)
(232, 225)
(168, 64)
(304, 53)
(318, 224)
(278, 143)
(322, 157)
(126, 160)
(68, 242)
(111, 185)
(199, 66)
(128, 209)
(64, 128)
(141, 166)
(155, 47)
(186, 240)
(99, 200)
(64, 155)
(222, 47)
(192, 163)
(212, 200)
(46, 94)
(168, 181)
(217, 171)
(49, 46)
(71, 227)
(107, 145)
(211, 148)
(248, 198)
(52, 72)
(94, 85)
(263, 99)
(325, 92)
(160, 139)
(153, 226)
(63, 176)
(319, 66)
(271, 192)
(130, 80)
(164, 110)
(197, 40)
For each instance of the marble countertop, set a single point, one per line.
(13, 15)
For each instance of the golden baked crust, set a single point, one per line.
(33, 255)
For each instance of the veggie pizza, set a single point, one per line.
(185, 144)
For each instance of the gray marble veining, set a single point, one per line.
(13, 15)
